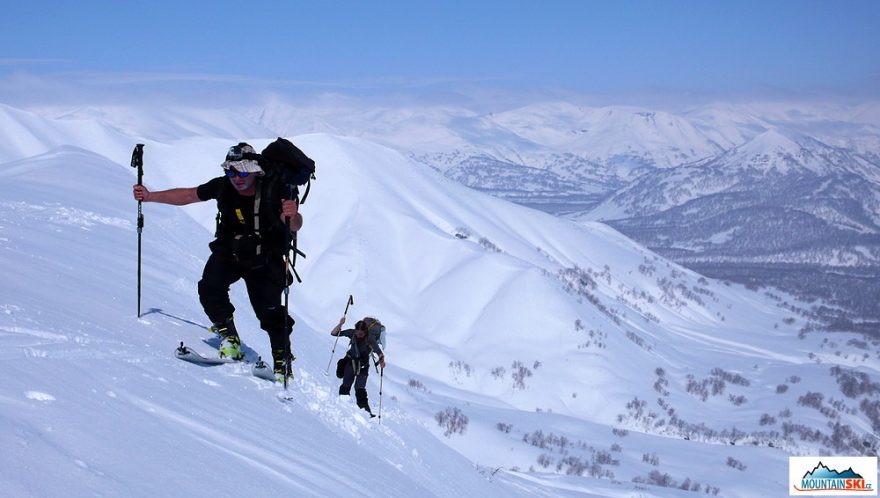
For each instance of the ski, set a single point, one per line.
(263, 370)
(186, 354)
(260, 369)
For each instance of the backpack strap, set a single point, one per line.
(259, 188)
(308, 188)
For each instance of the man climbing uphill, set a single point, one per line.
(250, 244)
(355, 366)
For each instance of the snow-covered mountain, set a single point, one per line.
(527, 354)
(782, 209)
(772, 158)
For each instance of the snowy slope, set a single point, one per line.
(546, 335)
(96, 403)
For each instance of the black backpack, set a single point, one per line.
(288, 168)
(290, 165)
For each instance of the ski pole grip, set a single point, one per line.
(137, 161)
(348, 303)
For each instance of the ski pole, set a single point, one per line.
(332, 353)
(292, 193)
(137, 161)
(381, 378)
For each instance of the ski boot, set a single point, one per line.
(282, 361)
(230, 343)
(361, 397)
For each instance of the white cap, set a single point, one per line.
(235, 159)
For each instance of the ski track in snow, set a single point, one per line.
(61, 215)
(22, 331)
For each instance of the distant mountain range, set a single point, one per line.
(781, 194)
(765, 194)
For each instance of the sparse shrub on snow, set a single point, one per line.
(519, 374)
(871, 409)
(452, 420)
(503, 427)
(418, 385)
(733, 462)
(811, 400)
(662, 479)
(698, 389)
(647, 268)
(736, 400)
(638, 340)
(580, 283)
(661, 383)
(545, 460)
(854, 384)
(488, 244)
(767, 419)
(733, 378)
(458, 367)
(548, 441)
(857, 344)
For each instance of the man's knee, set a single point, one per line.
(275, 321)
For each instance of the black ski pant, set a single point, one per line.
(356, 372)
(265, 287)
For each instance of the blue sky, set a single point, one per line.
(579, 46)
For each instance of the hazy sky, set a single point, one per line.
(580, 46)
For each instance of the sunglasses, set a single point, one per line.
(231, 173)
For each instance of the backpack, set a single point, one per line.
(286, 162)
(379, 336)
(376, 330)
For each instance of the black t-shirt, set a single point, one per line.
(237, 216)
(236, 210)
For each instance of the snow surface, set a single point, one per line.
(510, 315)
